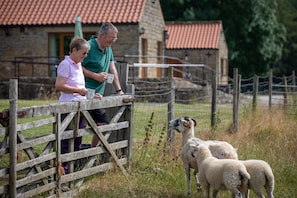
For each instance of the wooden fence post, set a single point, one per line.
(235, 99)
(285, 91)
(214, 100)
(13, 105)
(294, 87)
(58, 151)
(270, 88)
(171, 101)
(238, 90)
(130, 116)
(255, 92)
(293, 81)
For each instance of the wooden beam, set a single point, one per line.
(104, 141)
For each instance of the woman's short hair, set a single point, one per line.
(78, 44)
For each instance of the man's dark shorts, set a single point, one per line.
(99, 116)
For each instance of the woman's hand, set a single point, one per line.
(82, 91)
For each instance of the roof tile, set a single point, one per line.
(52, 12)
(193, 35)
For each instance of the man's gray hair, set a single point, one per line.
(105, 27)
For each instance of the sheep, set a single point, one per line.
(220, 174)
(261, 176)
(219, 149)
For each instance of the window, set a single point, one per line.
(160, 60)
(59, 43)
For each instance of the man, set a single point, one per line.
(96, 65)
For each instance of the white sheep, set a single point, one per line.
(261, 177)
(219, 149)
(220, 174)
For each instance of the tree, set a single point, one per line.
(287, 13)
(172, 9)
(254, 35)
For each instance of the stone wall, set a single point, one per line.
(31, 42)
(31, 88)
(222, 69)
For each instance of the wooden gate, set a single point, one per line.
(31, 165)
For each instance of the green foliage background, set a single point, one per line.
(261, 34)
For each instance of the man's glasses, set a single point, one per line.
(114, 39)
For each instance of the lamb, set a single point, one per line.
(220, 174)
(261, 176)
(219, 149)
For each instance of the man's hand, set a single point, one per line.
(101, 77)
(98, 96)
(120, 93)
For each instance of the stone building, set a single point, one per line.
(35, 35)
(199, 42)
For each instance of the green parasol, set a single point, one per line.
(78, 30)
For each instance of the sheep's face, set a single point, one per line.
(238, 195)
(182, 124)
(200, 151)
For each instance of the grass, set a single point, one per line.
(4, 104)
(156, 169)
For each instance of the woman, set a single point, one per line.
(71, 84)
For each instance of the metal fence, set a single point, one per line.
(200, 98)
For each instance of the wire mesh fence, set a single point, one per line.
(193, 97)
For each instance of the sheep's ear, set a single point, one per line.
(195, 123)
(194, 149)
